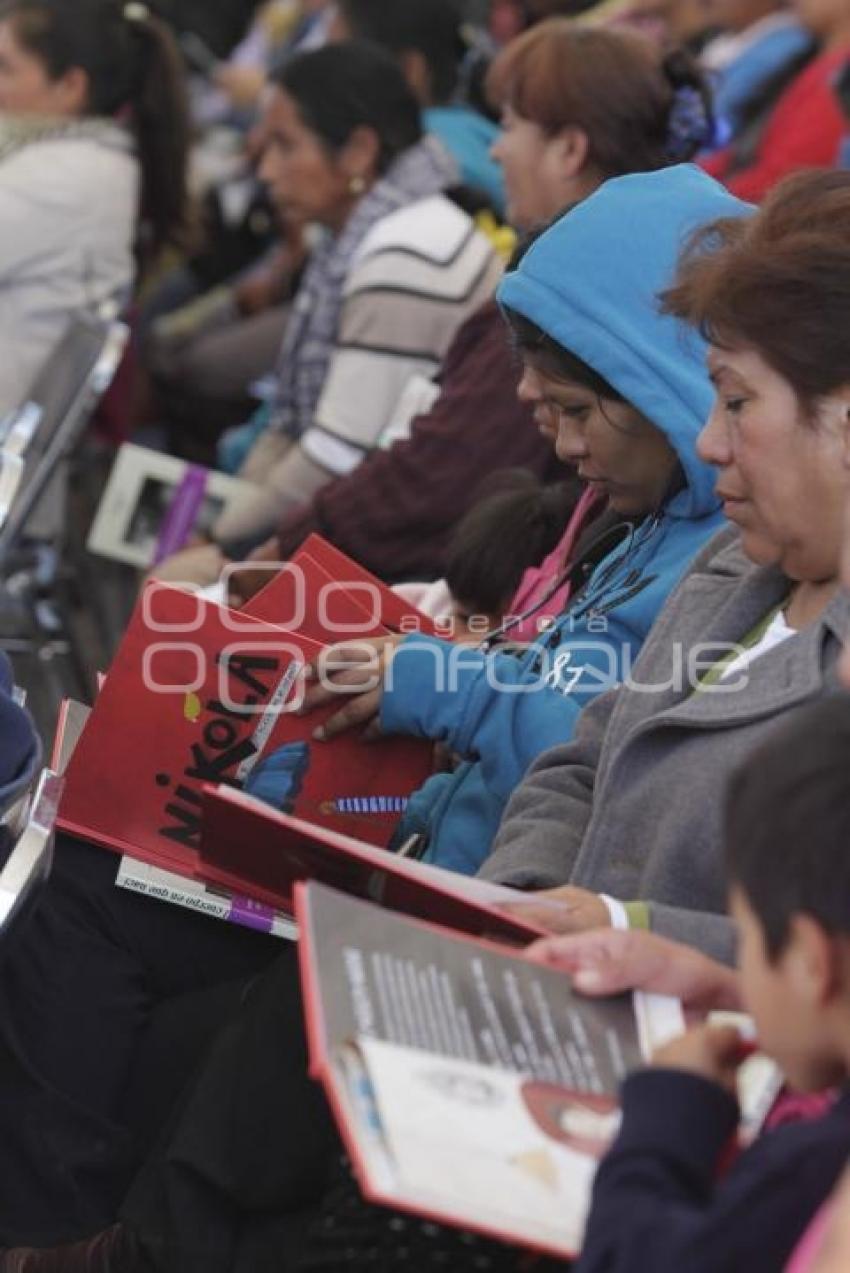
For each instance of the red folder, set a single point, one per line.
(305, 597)
(351, 594)
(198, 694)
(250, 848)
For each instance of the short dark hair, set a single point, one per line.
(788, 823)
(778, 282)
(504, 533)
(430, 27)
(350, 85)
(532, 342)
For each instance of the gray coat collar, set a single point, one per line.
(720, 601)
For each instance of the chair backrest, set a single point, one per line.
(45, 428)
(28, 865)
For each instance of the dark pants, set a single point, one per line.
(78, 994)
(241, 1179)
(251, 1152)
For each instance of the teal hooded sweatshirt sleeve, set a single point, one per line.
(590, 282)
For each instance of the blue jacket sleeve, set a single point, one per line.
(495, 708)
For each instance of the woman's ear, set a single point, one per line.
(360, 156)
(841, 398)
(71, 92)
(415, 68)
(572, 150)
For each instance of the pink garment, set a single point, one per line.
(537, 580)
(799, 1107)
(793, 1107)
(809, 1246)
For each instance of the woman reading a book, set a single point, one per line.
(624, 408)
(756, 627)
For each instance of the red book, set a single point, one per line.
(199, 694)
(368, 601)
(304, 597)
(249, 848)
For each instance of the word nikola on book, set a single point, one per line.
(224, 754)
(235, 725)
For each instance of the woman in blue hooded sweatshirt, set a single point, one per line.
(624, 391)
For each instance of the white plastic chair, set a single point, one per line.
(28, 865)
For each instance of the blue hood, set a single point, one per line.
(591, 282)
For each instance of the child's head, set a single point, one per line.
(788, 855)
(504, 533)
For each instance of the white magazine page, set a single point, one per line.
(487, 1148)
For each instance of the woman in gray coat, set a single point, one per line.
(624, 823)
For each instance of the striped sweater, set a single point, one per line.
(419, 273)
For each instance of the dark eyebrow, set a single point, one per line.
(723, 372)
(569, 398)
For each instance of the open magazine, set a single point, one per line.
(257, 851)
(470, 1085)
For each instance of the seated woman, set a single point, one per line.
(428, 38)
(92, 166)
(397, 268)
(206, 355)
(625, 413)
(757, 625)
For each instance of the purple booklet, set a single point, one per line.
(182, 513)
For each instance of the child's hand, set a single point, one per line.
(609, 961)
(712, 1051)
